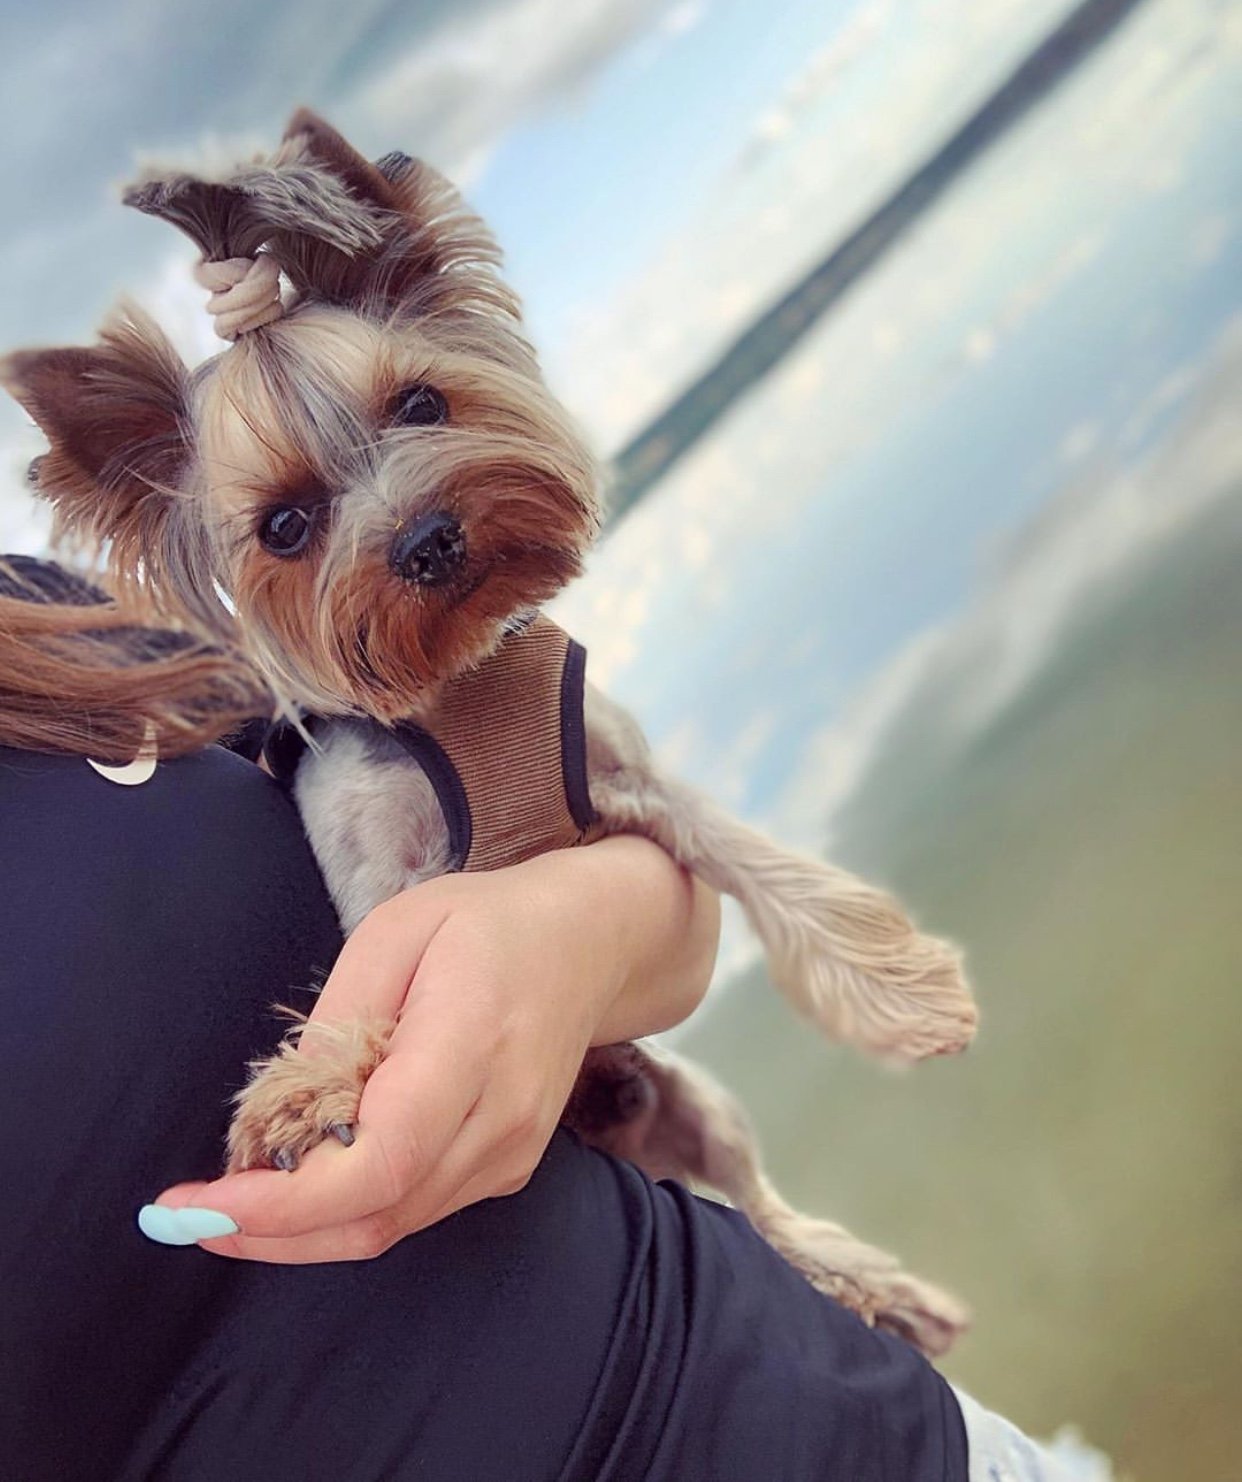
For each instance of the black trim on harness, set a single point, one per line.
(283, 747)
(249, 738)
(573, 738)
(449, 789)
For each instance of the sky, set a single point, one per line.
(655, 169)
(934, 482)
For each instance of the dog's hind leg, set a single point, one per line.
(675, 1121)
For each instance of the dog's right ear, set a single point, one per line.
(117, 420)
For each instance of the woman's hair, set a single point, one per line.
(79, 675)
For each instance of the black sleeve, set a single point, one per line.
(594, 1328)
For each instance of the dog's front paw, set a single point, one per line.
(308, 1090)
(907, 1003)
(859, 967)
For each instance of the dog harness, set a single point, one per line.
(505, 751)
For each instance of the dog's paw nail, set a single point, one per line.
(343, 1132)
(285, 1160)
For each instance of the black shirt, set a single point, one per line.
(593, 1328)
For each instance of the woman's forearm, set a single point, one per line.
(665, 927)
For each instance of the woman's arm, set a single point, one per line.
(665, 932)
(500, 982)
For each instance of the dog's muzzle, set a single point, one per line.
(430, 551)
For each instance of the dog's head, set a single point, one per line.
(376, 478)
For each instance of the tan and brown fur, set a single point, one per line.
(79, 675)
(393, 284)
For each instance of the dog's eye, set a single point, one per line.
(419, 406)
(286, 530)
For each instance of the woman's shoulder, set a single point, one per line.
(212, 777)
(208, 825)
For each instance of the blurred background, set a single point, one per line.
(914, 328)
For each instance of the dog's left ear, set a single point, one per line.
(382, 238)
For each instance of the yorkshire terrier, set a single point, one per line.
(374, 493)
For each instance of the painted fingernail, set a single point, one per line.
(183, 1226)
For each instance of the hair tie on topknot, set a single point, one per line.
(245, 293)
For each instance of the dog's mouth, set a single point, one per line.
(380, 677)
(451, 595)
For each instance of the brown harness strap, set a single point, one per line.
(512, 729)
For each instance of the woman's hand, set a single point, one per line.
(499, 984)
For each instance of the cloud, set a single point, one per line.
(1079, 442)
(905, 339)
(83, 92)
(463, 88)
(1208, 239)
(1168, 393)
(89, 88)
(950, 682)
(828, 146)
(683, 17)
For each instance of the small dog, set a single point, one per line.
(374, 493)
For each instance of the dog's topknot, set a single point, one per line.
(235, 217)
(386, 238)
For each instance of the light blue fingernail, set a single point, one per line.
(183, 1226)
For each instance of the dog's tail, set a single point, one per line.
(844, 952)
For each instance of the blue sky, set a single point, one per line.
(688, 124)
(600, 139)
(623, 167)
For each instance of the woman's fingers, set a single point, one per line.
(361, 1240)
(357, 1241)
(489, 1158)
(482, 1163)
(495, 984)
(376, 965)
(413, 1109)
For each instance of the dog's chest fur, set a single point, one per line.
(494, 775)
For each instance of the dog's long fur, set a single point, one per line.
(395, 286)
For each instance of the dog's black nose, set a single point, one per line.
(429, 551)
